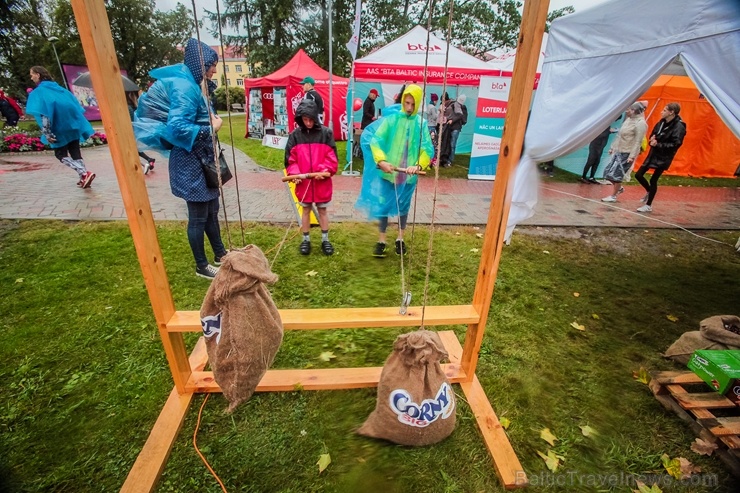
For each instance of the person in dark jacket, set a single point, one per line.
(368, 109)
(311, 94)
(10, 110)
(311, 149)
(665, 139)
(595, 151)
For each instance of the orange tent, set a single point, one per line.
(710, 149)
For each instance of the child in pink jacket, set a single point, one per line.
(311, 149)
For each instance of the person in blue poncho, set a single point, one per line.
(62, 121)
(400, 139)
(175, 114)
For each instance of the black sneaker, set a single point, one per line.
(379, 250)
(207, 271)
(219, 259)
(401, 247)
(327, 247)
(305, 247)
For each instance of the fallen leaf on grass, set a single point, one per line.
(594, 316)
(324, 461)
(577, 326)
(20, 279)
(588, 431)
(641, 376)
(457, 234)
(643, 488)
(505, 423)
(297, 387)
(476, 228)
(311, 273)
(474, 250)
(687, 468)
(576, 294)
(479, 235)
(304, 433)
(703, 447)
(552, 460)
(678, 467)
(672, 318)
(545, 252)
(668, 255)
(547, 436)
(326, 356)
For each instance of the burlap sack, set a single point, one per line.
(241, 323)
(718, 332)
(416, 403)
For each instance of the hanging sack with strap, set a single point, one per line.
(241, 323)
(416, 403)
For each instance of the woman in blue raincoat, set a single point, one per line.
(174, 113)
(400, 139)
(62, 121)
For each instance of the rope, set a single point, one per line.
(677, 226)
(404, 278)
(214, 137)
(197, 450)
(436, 176)
(231, 129)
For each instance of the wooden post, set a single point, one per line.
(520, 97)
(95, 34)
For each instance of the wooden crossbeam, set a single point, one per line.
(153, 457)
(348, 318)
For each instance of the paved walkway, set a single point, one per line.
(38, 186)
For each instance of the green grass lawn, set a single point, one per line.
(85, 377)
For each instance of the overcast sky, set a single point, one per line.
(203, 5)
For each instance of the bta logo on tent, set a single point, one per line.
(421, 47)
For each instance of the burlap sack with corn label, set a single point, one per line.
(241, 323)
(416, 403)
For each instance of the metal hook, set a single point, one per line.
(405, 302)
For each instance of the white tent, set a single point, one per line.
(600, 60)
(503, 58)
(404, 59)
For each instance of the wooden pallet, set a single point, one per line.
(684, 393)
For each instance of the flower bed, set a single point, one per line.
(16, 140)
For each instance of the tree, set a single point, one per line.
(144, 38)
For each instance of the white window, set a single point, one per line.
(239, 82)
(238, 68)
(226, 69)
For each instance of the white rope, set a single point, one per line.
(676, 226)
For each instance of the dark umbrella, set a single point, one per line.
(84, 80)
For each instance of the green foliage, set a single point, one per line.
(144, 38)
(80, 346)
(236, 95)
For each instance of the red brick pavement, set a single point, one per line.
(38, 186)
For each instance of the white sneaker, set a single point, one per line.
(621, 190)
(644, 199)
(610, 198)
(147, 167)
(645, 208)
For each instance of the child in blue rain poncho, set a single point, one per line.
(400, 139)
(174, 114)
(62, 121)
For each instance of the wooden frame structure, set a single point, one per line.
(188, 370)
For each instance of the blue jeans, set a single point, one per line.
(453, 143)
(203, 218)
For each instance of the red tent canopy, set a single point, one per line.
(289, 77)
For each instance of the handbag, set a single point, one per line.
(211, 172)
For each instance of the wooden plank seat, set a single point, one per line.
(349, 318)
(318, 378)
